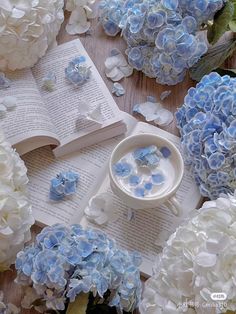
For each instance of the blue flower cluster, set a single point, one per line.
(66, 261)
(147, 156)
(77, 72)
(207, 123)
(162, 35)
(64, 184)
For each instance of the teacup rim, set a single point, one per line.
(154, 198)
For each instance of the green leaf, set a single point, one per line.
(232, 23)
(213, 59)
(221, 23)
(223, 71)
(80, 304)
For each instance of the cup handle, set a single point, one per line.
(174, 205)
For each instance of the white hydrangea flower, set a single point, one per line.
(15, 210)
(198, 260)
(27, 28)
(82, 12)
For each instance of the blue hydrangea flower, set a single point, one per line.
(207, 123)
(140, 191)
(122, 169)
(64, 184)
(77, 72)
(148, 186)
(147, 156)
(166, 152)
(67, 261)
(158, 178)
(134, 180)
(162, 36)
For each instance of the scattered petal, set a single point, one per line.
(49, 81)
(118, 89)
(165, 94)
(116, 66)
(4, 81)
(81, 13)
(101, 210)
(164, 117)
(153, 111)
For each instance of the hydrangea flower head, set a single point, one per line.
(197, 260)
(16, 216)
(66, 261)
(64, 184)
(77, 72)
(28, 28)
(207, 123)
(162, 35)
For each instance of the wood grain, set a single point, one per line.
(138, 87)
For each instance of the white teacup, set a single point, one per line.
(167, 197)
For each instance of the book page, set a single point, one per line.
(150, 227)
(90, 163)
(64, 102)
(30, 117)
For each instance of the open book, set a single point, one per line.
(141, 233)
(53, 118)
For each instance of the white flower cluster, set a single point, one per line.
(15, 210)
(198, 262)
(27, 28)
(82, 12)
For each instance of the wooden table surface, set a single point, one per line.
(138, 87)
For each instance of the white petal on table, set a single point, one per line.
(115, 74)
(118, 89)
(164, 117)
(117, 60)
(78, 22)
(116, 66)
(127, 70)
